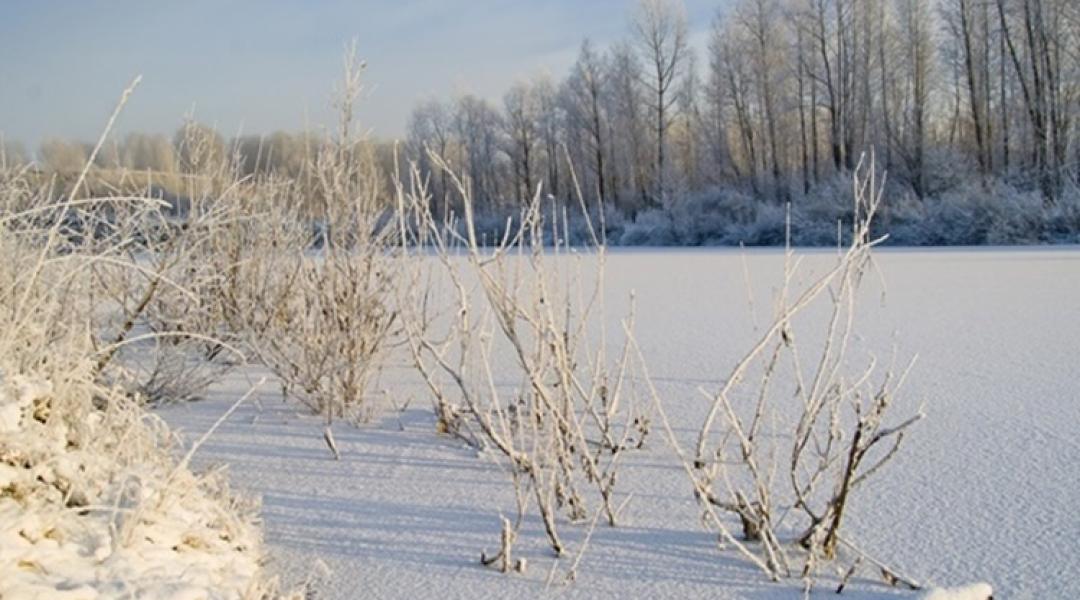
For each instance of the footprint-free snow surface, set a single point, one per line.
(987, 489)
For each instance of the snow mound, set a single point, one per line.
(975, 591)
(93, 503)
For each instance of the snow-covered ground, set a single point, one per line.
(987, 490)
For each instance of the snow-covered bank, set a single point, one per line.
(93, 504)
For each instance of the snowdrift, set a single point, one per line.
(94, 504)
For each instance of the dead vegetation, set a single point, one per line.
(512, 344)
(798, 427)
(93, 495)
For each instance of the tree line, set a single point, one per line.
(968, 97)
(789, 96)
(191, 149)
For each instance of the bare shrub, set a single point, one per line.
(307, 268)
(794, 434)
(161, 332)
(533, 313)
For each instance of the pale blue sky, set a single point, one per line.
(257, 66)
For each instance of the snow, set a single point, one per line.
(985, 491)
(975, 591)
(92, 504)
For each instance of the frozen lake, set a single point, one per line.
(988, 487)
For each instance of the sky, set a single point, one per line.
(247, 66)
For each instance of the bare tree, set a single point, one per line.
(796, 19)
(969, 24)
(520, 123)
(909, 93)
(431, 125)
(660, 31)
(629, 120)
(716, 120)
(588, 89)
(477, 126)
(756, 21)
(552, 130)
(691, 130)
(732, 77)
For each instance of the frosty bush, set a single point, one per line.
(652, 227)
(165, 336)
(92, 498)
(791, 436)
(714, 217)
(974, 214)
(562, 428)
(1063, 218)
(306, 269)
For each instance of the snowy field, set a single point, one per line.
(988, 488)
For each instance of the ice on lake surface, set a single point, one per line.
(988, 488)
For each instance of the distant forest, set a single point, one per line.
(969, 107)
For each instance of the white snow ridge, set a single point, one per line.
(975, 591)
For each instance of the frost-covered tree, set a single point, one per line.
(661, 35)
(477, 125)
(588, 87)
(521, 126)
(430, 128)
